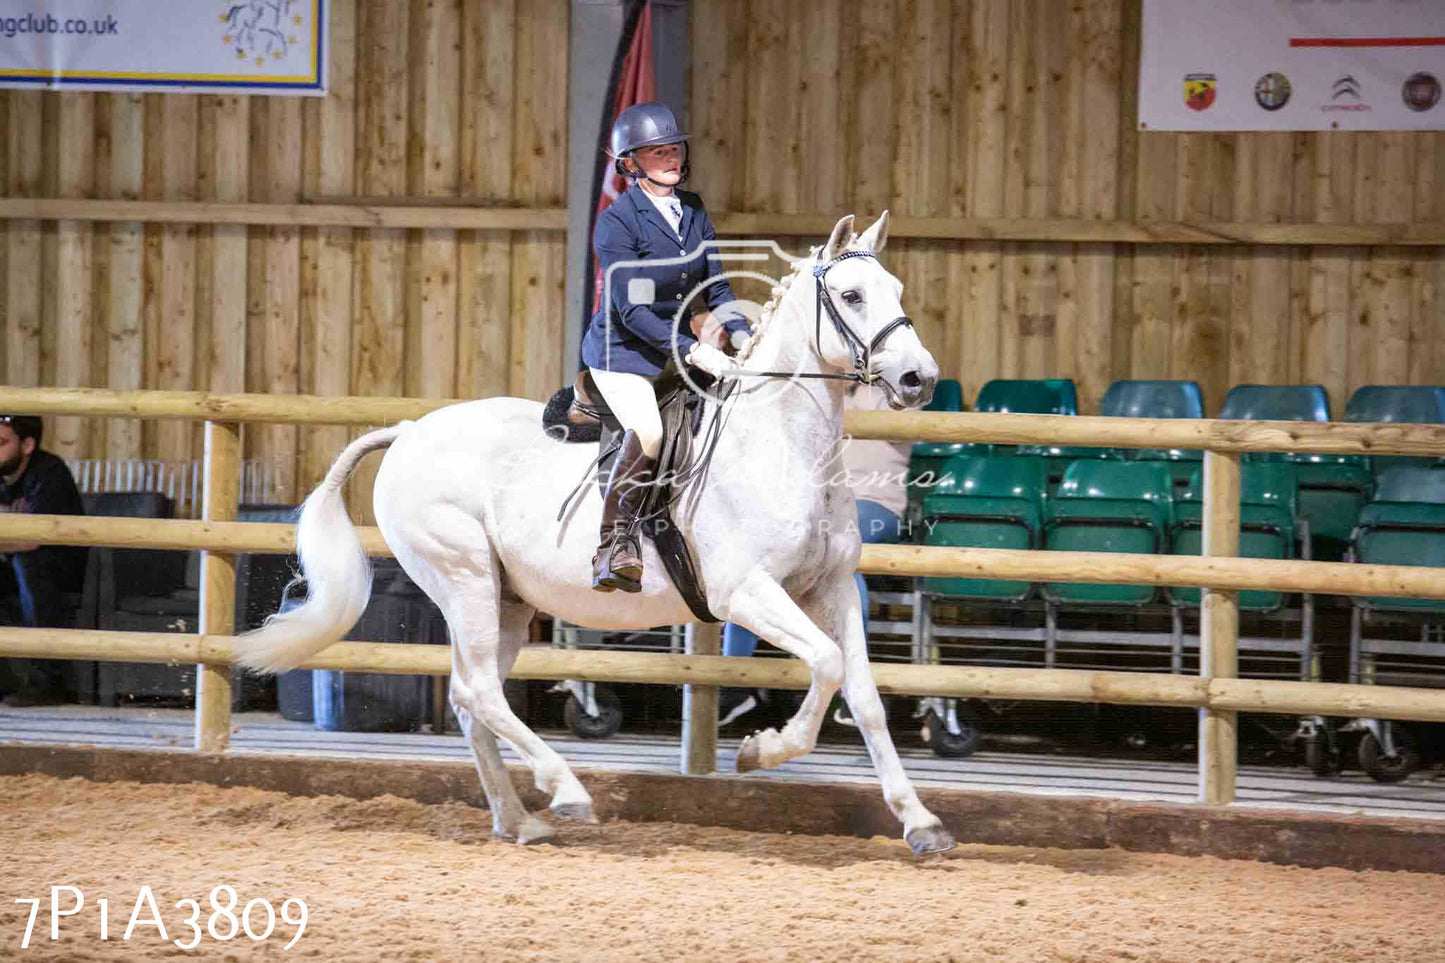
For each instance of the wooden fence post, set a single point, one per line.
(1219, 630)
(220, 498)
(699, 705)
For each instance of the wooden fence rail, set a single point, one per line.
(949, 681)
(1305, 437)
(1221, 573)
(448, 213)
(202, 406)
(1216, 692)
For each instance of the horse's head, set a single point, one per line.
(861, 324)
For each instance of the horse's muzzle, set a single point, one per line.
(915, 387)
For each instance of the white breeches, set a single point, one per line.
(631, 398)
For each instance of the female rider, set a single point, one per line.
(639, 325)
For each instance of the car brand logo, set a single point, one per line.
(1345, 96)
(1421, 91)
(1272, 91)
(1199, 91)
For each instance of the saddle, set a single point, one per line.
(578, 413)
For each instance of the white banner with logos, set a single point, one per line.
(202, 46)
(1292, 65)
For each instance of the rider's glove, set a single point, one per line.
(739, 338)
(710, 359)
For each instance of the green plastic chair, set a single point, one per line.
(1058, 458)
(1268, 496)
(1044, 396)
(1409, 404)
(1109, 506)
(947, 396)
(1412, 484)
(927, 458)
(1332, 488)
(1404, 525)
(986, 502)
(1159, 399)
(1276, 403)
(1332, 491)
(928, 468)
(1153, 399)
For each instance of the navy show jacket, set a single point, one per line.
(637, 337)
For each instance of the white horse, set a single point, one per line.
(467, 497)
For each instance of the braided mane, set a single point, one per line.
(775, 296)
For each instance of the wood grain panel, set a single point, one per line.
(23, 280)
(538, 175)
(329, 169)
(71, 313)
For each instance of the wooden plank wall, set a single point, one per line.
(1026, 108)
(958, 108)
(443, 99)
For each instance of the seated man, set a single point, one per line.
(35, 578)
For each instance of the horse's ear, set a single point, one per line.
(876, 236)
(839, 240)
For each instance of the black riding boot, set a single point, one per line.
(618, 562)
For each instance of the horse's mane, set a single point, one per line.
(775, 298)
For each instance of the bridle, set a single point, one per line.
(861, 351)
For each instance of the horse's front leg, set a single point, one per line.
(921, 828)
(760, 604)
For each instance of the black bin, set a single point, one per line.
(293, 689)
(399, 611)
(261, 582)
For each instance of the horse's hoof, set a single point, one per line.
(749, 755)
(577, 812)
(929, 839)
(534, 830)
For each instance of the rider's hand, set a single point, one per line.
(710, 359)
(707, 328)
(739, 338)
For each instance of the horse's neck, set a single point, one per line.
(797, 429)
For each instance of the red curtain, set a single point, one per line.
(637, 84)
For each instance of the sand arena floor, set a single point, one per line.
(390, 879)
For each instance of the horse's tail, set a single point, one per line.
(334, 565)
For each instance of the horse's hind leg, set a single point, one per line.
(510, 819)
(479, 619)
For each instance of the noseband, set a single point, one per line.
(861, 351)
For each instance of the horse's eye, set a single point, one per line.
(852, 297)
